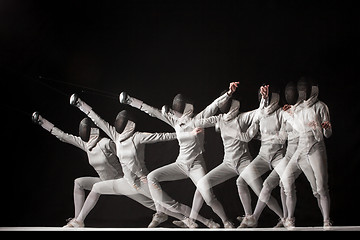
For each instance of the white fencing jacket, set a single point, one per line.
(272, 135)
(191, 146)
(307, 121)
(130, 146)
(236, 131)
(101, 154)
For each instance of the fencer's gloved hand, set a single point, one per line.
(126, 99)
(165, 109)
(74, 99)
(232, 87)
(139, 181)
(35, 117)
(286, 107)
(264, 91)
(326, 125)
(143, 179)
(38, 119)
(77, 102)
(136, 184)
(289, 109)
(196, 131)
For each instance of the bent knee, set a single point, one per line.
(96, 188)
(78, 183)
(152, 176)
(240, 182)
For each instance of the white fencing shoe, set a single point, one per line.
(73, 223)
(248, 222)
(157, 219)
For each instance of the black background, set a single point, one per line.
(154, 50)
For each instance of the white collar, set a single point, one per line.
(313, 97)
(93, 139)
(233, 111)
(273, 105)
(128, 131)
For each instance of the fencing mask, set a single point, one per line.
(291, 93)
(304, 88)
(182, 105)
(85, 128)
(121, 120)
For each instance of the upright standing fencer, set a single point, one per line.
(312, 121)
(190, 162)
(102, 157)
(130, 149)
(270, 153)
(273, 179)
(236, 130)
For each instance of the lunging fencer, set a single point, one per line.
(130, 149)
(190, 162)
(312, 121)
(102, 157)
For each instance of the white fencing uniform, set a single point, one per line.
(101, 153)
(102, 157)
(130, 147)
(235, 134)
(271, 150)
(273, 179)
(310, 156)
(190, 161)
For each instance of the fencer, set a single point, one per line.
(130, 149)
(190, 162)
(273, 179)
(312, 121)
(236, 130)
(101, 155)
(271, 151)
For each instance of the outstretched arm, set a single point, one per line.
(207, 122)
(64, 137)
(145, 137)
(153, 112)
(102, 124)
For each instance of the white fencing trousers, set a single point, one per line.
(143, 196)
(172, 172)
(114, 187)
(120, 187)
(314, 166)
(80, 185)
(252, 175)
(299, 163)
(86, 183)
(273, 180)
(123, 187)
(257, 168)
(218, 175)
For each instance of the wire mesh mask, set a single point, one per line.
(84, 129)
(291, 93)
